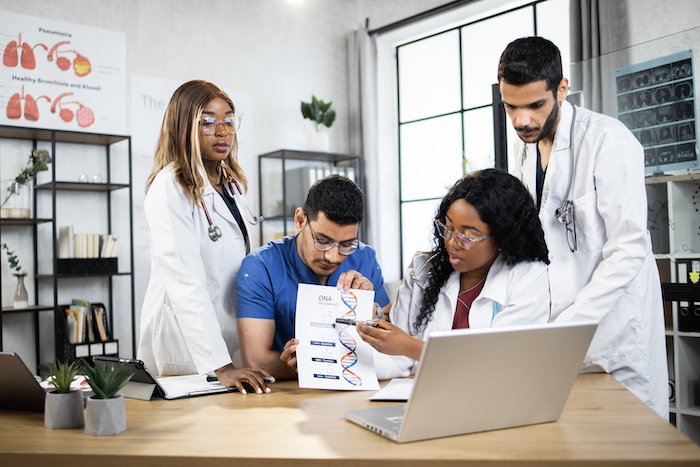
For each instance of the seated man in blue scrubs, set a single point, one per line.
(325, 250)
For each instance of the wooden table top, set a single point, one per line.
(602, 424)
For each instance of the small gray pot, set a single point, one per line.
(105, 417)
(63, 410)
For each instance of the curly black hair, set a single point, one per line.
(503, 203)
(338, 197)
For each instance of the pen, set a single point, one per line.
(211, 379)
(352, 322)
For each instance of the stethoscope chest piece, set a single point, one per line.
(214, 232)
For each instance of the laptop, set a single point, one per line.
(143, 385)
(19, 389)
(485, 379)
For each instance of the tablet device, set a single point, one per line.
(145, 386)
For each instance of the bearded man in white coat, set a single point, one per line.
(586, 173)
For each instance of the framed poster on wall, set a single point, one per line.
(656, 101)
(62, 76)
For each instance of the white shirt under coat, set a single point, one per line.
(511, 296)
(612, 277)
(188, 320)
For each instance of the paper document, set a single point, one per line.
(176, 387)
(398, 389)
(330, 355)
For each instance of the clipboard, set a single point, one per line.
(144, 386)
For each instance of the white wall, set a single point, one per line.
(276, 52)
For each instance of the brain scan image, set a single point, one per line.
(624, 83)
(682, 69)
(645, 118)
(642, 79)
(661, 74)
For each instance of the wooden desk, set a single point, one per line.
(602, 424)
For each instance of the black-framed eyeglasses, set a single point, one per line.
(344, 248)
(210, 125)
(462, 241)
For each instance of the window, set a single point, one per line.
(445, 107)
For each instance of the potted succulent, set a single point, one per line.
(321, 113)
(21, 297)
(63, 408)
(16, 197)
(105, 413)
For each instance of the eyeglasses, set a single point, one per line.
(344, 248)
(463, 241)
(210, 125)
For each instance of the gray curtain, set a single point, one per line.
(586, 51)
(362, 99)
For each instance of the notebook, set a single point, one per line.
(485, 379)
(143, 385)
(19, 389)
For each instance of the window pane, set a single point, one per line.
(429, 77)
(417, 228)
(478, 139)
(431, 157)
(482, 45)
(553, 24)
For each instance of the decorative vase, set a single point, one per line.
(63, 410)
(105, 417)
(21, 298)
(16, 200)
(318, 142)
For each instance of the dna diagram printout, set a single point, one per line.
(331, 355)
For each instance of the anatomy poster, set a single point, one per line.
(62, 76)
(331, 355)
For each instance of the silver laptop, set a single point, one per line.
(19, 389)
(485, 379)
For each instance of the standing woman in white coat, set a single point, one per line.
(489, 268)
(198, 240)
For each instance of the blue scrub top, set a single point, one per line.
(268, 278)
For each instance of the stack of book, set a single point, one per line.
(86, 322)
(82, 246)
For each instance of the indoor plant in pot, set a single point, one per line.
(105, 413)
(16, 192)
(63, 408)
(321, 113)
(21, 297)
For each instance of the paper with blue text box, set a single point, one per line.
(330, 355)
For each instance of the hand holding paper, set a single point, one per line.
(330, 355)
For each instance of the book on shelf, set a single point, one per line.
(65, 242)
(86, 307)
(86, 246)
(100, 320)
(75, 325)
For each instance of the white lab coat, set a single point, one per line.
(188, 320)
(612, 277)
(511, 296)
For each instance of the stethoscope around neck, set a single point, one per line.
(214, 231)
(565, 213)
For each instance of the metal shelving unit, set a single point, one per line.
(52, 188)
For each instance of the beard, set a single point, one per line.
(548, 126)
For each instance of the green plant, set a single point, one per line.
(39, 160)
(318, 111)
(106, 380)
(14, 262)
(61, 374)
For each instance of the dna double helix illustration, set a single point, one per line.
(349, 359)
